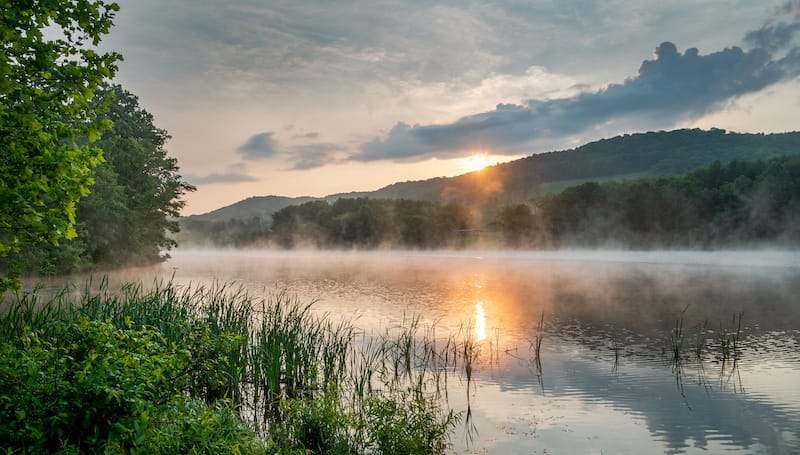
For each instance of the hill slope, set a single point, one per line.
(256, 206)
(651, 154)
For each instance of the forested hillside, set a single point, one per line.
(235, 225)
(653, 154)
(742, 203)
(752, 203)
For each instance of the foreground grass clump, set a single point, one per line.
(91, 386)
(206, 370)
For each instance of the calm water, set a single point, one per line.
(606, 381)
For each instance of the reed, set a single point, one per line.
(298, 378)
(537, 342)
(729, 337)
(700, 340)
(677, 340)
(615, 348)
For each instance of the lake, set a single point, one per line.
(606, 378)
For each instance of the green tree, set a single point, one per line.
(137, 195)
(47, 84)
(133, 203)
(517, 223)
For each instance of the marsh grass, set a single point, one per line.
(723, 348)
(301, 381)
(700, 339)
(615, 348)
(677, 341)
(729, 334)
(536, 342)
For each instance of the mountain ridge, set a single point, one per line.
(648, 154)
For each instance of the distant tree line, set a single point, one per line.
(738, 204)
(226, 233)
(370, 223)
(359, 223)
(720, 205)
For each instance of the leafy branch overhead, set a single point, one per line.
(49, 71)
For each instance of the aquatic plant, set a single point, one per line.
(729, 337)
(615, 347)
(700, 339)
(297, 380)
(536, 345)
(677, 340)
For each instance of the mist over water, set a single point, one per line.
(605, 378)
(621, 287)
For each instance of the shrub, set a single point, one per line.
(89, 386)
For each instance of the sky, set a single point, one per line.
(310, 98)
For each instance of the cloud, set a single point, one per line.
(310, 156)
(309, 135)
(779, 30)
(231, 177)
(303, 156)
(259, 146)
(671, 87)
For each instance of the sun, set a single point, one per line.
(476, 162)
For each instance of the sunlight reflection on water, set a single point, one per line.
(480, 322)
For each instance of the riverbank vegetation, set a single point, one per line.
(212, 370)
(86, 181)
(126, 217)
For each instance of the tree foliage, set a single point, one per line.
(369, 223)
(233, 232)
(137, 194)
(133, 203)
(48, 74)
(517, 224)
(720, 205)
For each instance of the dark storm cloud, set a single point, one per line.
(233, 177)
(670, 87)
(259, 146)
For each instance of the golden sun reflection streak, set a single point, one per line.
(480, 322)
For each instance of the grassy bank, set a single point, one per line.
(213, 370)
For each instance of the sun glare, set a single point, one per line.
(476, 162)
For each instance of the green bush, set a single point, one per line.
(406, 423)
(90, 386)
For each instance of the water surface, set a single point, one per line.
(606, 380)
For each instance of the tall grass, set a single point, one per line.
(302, 381)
